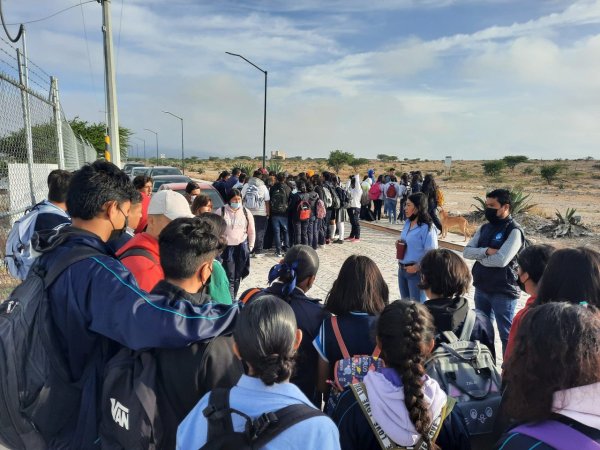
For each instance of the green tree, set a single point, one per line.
(493, 168)
(550, 172)
(95, 132)
(338, 159)
(357, 162)
(513, 161)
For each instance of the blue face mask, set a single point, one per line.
(235, 205)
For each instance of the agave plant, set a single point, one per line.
(520, 202)
(568, 218)
(248, 169)
(275, 167)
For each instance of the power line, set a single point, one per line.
(52, 15)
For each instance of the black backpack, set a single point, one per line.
(37, 396)
(279, 199)
(130, 416)
(258, 432)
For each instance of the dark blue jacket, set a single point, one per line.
(309, 316)
(97, 307)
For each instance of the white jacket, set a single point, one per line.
(356, 193)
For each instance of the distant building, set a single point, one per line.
(277, 154)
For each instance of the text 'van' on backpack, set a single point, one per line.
(253, 199)
(466, 371)
(38, 396)
(19, 257)
(257, 432)
(279, 199)
(350, 369)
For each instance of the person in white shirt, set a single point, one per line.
(355, 192)
(256, 199)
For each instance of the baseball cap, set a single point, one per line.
(169, 203)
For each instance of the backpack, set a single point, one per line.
(375, 191)
(391, 191)
(258, 432)
(279, 199)
(467, 372)
(320, 209)
(385, 442)
(350, 369)
(557, 435)
(19, 258)
(253, 199)
(38, 396)
(129, 417)
(328, 198)
(303, 209)
(138, 251)
(439, 197)
(344, 196)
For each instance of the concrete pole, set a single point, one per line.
(58, 122)
(111, 86)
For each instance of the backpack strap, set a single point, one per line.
(557, 435)
(77, 254)
(137, 251)
(222, 211)
(338, 337)
(468, 325)
(271, 425)
(218, 414)
(249, 295)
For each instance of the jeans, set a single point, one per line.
(279, 224)
(301, 232)
(500, 306)
(377, 205)
(260, 225)
(390, 209)
(313, 232)
(355, 232)
(408, 284)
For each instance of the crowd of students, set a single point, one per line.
(256, 370)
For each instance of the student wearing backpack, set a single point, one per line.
(94, 308)
(188, 248)
(50, 214)
(376, 194)
(266, 340)
(301, 212)
(357, 297)
(532, 263)
(419, 237)
(333, 205)
(494, 247)
(291, 280)
(141, 254)
(399, 400)
(313, 222)
(240, 237)
(554, 379)
(280, 199)
(355, 193)
(256, 199)
(391, 190)
(320, 210)
(445, 278)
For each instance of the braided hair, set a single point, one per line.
(405, 330)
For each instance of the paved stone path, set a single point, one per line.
(378, 245)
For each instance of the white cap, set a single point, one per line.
(169, 203)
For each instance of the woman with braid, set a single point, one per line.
(399, 406)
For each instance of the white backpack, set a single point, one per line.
(253, 200)
(19, 256)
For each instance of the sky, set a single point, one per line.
(473, 79)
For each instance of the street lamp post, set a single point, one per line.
(264, 158)
(144, 141)
(182, 152)
(155, 134)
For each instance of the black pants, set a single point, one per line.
(353, 213)
(301, 232)
(260, 226)
(435, 218)
(236, 262)
(378, 205)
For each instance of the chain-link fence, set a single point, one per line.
(35, 138)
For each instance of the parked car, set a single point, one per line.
(138, 171)
(159, 180)
(163, 170)
(127, 168)
(206, 188)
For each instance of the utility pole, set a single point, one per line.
(182, 151)
(144, 141)
(111, 87)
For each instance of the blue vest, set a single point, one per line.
(497, 280)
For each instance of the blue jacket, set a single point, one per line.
(97, 307)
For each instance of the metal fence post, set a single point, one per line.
(21, 62)
(58, 122)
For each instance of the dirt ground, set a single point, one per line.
(576, 186)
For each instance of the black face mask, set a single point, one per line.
(520, 283)
(412, 217)
(491, 214)
(117, 233)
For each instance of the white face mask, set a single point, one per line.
(193, 197)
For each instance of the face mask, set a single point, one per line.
(193, 197)
(520, 283)
(235, 205)
(491, 214)
(117, 233)
(412, 217)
